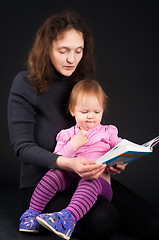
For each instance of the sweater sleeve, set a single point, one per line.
(63, 146)
(21, 124)
(112, 132)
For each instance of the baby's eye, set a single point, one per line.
(84, 112)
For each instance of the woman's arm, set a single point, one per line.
(22, 121)
(85, 169)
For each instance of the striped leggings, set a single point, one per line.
(82, 200)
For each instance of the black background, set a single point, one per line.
(126, 38)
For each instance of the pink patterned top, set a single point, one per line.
(100, 140)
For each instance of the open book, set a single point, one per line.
(127, 151)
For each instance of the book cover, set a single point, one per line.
(127, 151)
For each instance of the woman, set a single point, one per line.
(62, 54)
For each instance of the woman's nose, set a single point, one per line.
(71, 57)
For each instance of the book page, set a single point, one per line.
(151, 143)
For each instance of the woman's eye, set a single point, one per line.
(79, 50)
(63, 51)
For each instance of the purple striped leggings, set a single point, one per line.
(82, 200)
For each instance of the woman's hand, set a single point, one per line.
(88, 170)
(84, 168)
(113, 170)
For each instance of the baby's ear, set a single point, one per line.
(71, 111)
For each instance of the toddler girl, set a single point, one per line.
(88, 139)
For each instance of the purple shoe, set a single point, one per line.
(60, 223)
(28, 221)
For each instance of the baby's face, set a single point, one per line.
(88, 112)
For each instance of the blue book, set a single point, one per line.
(127, 151)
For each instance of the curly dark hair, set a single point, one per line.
(41, 70)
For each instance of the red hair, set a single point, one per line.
(41, 70)
(87, 87)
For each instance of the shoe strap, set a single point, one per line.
(65, 219)
(29, 213)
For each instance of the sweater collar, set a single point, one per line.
(58, 77)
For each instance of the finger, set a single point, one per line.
(92, 168)
(113, 171)
(93, 174)
(121, 166)
(98, 174)
(81, 133)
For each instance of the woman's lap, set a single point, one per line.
(127, 213)
(102, 220)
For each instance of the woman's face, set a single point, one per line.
(67, 51)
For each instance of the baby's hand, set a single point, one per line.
(78, 140)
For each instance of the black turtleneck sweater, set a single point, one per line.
(34, 121)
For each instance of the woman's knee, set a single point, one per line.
(101, 222)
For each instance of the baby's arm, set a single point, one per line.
(68, 147)
(78, 140)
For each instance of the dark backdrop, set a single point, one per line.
(127, 49)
